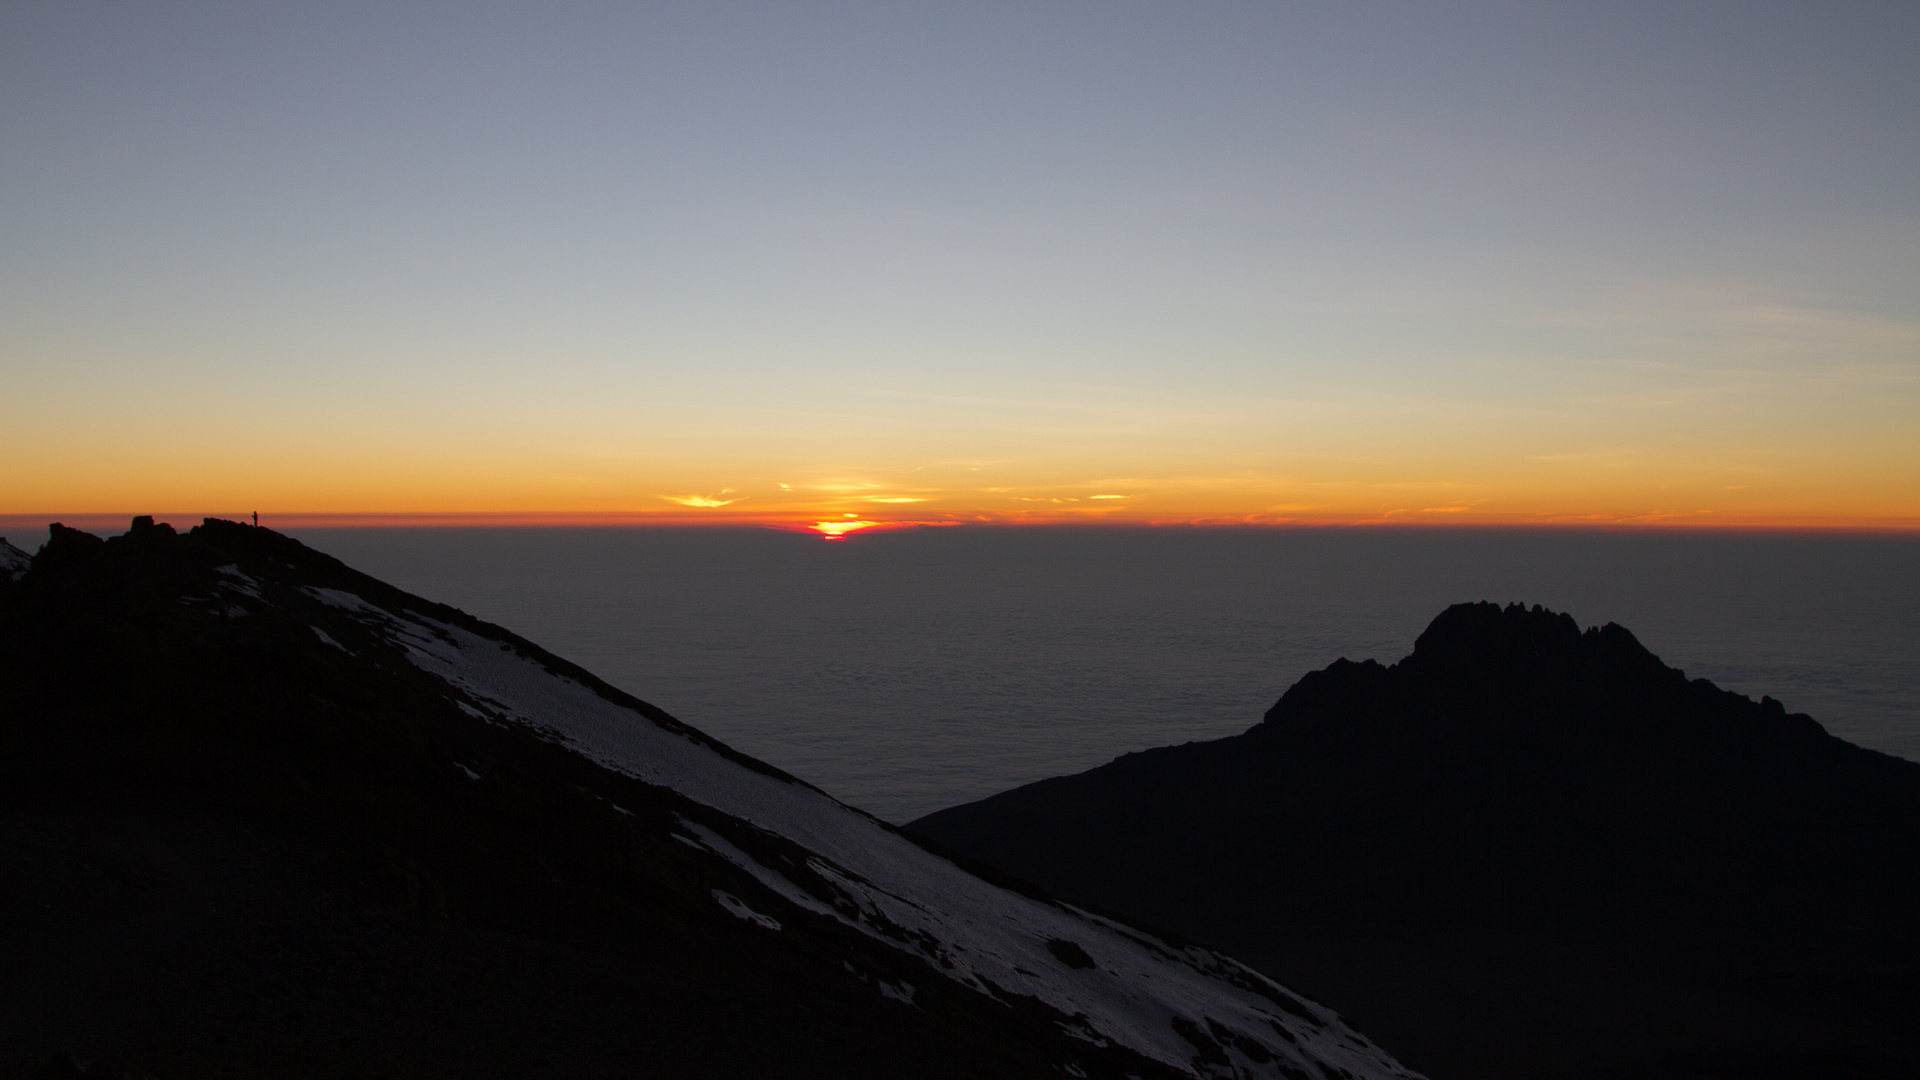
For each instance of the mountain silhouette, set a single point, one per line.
(263, 815)
(1525, 850)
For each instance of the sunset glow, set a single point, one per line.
(689, 269)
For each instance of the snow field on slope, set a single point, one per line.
(966, 928)
(13, 561)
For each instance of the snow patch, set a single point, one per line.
(740, 910)
(245, 584)
(901, 991)
(347, 601)
(13, 561)
(713, 842)
(322, 635)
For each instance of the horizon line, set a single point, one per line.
(811, 523)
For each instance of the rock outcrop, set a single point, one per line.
(1525, 850)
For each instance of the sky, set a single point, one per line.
(1622, 263)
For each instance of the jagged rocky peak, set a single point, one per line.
(1483, 633)
(1505, 662)
(1525, 849)
(1486, 640)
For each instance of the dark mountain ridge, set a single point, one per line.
(1525, 850)
(263, 815)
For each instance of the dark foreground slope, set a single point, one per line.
(1523, 851)
(261, 815)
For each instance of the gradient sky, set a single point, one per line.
(1217, 261)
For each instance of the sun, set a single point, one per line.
(838, 530)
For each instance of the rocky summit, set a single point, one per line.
(1526, 850)
(263, 815)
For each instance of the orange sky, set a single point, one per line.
(1586, 464)
(836, 508)
(1341, 468)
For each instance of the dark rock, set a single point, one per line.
(1069, 953)
(1524, 850)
